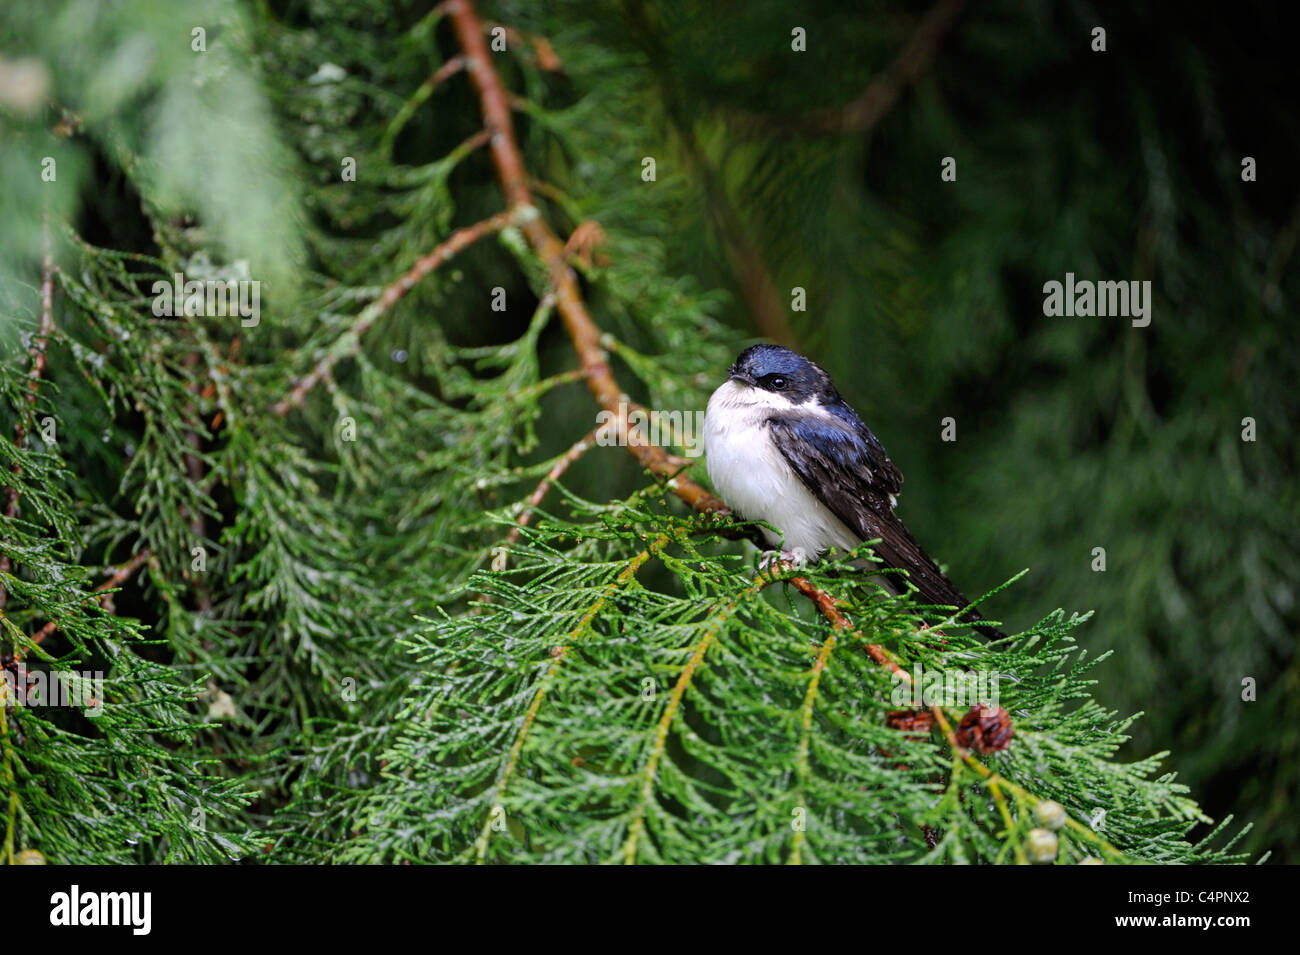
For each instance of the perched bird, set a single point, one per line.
(783, 447)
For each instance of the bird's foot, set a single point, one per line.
(791, 557)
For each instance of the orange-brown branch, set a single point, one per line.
(828, 606)
(583, 331)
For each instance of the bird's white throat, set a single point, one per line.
(754, 478)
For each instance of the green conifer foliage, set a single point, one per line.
(362, 577)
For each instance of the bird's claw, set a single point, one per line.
(792, 557)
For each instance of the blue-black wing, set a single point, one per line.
(845, 466)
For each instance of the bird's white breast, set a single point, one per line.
(754, 478)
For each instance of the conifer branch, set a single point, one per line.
(587, 341)
(558, 653)
(8, 780)
(801, 761)
(1007, 821)
(829, 607)
(990, 777)
(583, 331)
(349, 343)
(651, 767)
(624, 689)
(439, 76)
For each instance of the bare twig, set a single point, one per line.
(545, 54)
(446, 71)
(828, 606)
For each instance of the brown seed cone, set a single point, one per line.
(985, 729)
(910, 721)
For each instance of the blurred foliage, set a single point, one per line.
(178, 111)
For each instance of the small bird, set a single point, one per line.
(783, 447)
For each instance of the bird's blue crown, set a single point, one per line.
(777, 369)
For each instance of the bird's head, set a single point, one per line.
(782, 372)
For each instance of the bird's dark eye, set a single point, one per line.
(776, 382)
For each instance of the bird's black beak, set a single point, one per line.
(740, 376)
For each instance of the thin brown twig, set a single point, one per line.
(865, 110)
(446, 71)
(545, 54)
(349, 343)
(828, 606)
(566, 460)
(120, 574)
(474, 142)
(34, 373)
